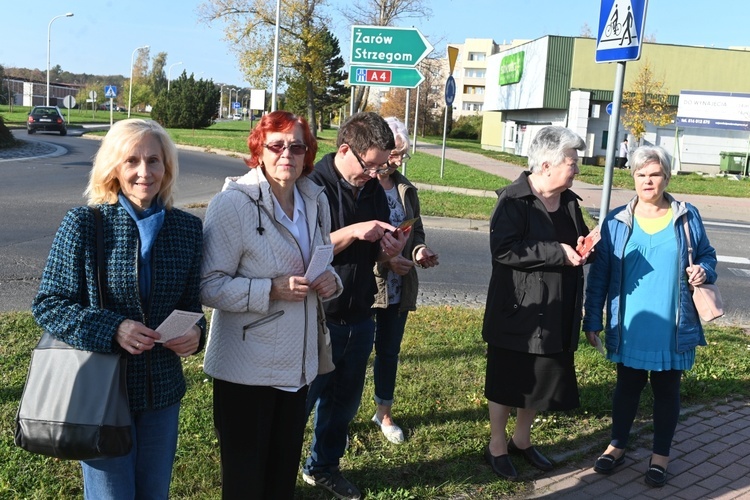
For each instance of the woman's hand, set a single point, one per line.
(592, 337)
(325, 284)
(426, 257)
(135, 337)
(696, 275)
(571, 256)
(393, 242)
(400, 265)
(187, 344)
(289, 288)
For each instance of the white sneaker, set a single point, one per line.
(392, 433)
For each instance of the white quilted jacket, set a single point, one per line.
(253, 340)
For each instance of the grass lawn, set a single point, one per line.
(440, 405)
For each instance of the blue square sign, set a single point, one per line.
(621, 25)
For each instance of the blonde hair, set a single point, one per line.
(103, 186)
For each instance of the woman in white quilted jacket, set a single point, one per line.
(260, 233)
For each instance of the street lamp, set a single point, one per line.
(169, 74)
(49, 28)
(130, 94)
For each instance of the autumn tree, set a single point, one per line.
(157, 75)
(249, 27)
(646, 102)
(381, 13)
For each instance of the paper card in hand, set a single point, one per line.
(407, 223)
(589, 242)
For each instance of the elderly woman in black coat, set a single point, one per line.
(533, 314)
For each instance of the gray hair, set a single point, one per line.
(400, 134)
(550, 144)
(649, 154)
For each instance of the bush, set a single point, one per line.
(6, 138)
(467, 127)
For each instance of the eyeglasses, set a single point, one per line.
(277, 148)
(368, 169)
(398, 159)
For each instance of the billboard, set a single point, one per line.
(721, 110)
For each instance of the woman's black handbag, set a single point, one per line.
(75, 403)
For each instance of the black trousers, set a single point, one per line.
(260, 431)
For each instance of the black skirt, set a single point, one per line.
(533, 381)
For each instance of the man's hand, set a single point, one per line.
(400, 265)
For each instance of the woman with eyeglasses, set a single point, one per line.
(260, 232)
(397, 281)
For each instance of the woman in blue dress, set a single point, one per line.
(652, 329)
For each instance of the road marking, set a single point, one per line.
(733, 260)
(742, 273)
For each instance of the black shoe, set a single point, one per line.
(532, 456)
(656, 475)
(502, 466)
(334, 482)
(606, 464)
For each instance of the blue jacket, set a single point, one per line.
(67, 304)
(604, 280)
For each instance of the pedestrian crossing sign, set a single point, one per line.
(621, 25)
(110, 91)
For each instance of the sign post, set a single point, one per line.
(450, 95)
(621, 29)
(386, 56)
(110, 91)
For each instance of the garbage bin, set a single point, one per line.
(733, 162)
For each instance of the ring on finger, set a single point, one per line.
(138, 345)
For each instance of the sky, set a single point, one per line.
(101, 36)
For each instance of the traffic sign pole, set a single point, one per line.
(614, 121)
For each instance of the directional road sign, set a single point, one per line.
(383, 76)
(110, 91)
(384, 45)
(450, 90)
(621, 25)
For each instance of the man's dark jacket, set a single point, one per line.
(355, 263)
(524, 302)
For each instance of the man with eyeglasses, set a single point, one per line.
(362, 236)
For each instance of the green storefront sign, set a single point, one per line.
(511, 68)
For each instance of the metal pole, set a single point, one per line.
(614, 121)
(351, 103)
(406, 115)
(130, 94)
(276, 57)
(49, 30)
(416, 121)
(442, 154)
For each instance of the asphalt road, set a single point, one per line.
(35, 194)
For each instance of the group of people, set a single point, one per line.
(640, 281)
(249, 260)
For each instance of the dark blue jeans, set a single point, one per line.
(630, 384)
(389, 331)
(338, 394)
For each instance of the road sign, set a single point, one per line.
(69, 101)
(621, 25)
(235, 104)
(385, 76)
(609, 108)
(110, 91)
(381, 45)
(92, 95)
(450, 90)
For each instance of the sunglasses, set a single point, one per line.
(379, 169)
(295, 148)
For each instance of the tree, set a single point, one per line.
(381, 13)
(249, 28)
(157, 77)
(326, 75)
(646, 102)
(188, 104)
